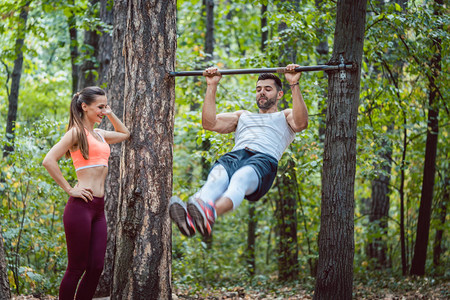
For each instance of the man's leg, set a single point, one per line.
(216, 184)
(243, 182)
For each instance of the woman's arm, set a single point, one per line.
(121, 132)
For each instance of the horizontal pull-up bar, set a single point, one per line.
(265, 70)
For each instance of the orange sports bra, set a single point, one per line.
(98, 154)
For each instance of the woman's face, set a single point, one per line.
(96, 110)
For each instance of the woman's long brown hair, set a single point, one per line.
(87, 95)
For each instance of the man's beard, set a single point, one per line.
(266, 105)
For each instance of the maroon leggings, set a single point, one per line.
(85, 227)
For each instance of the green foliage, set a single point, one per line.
(31, 210)
(394, 108)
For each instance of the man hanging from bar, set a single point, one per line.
(249, 170)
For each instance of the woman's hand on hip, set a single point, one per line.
(80, 192)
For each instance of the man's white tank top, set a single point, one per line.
(266, 133)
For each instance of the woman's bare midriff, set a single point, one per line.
(93, 178)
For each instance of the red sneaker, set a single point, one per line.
(203, 215)
(180, 216)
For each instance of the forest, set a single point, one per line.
(359, 206)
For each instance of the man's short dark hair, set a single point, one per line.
(275, 78)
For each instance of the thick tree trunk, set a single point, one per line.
(336, 242)
(426, 199)
(112, 74)
(13, 97)
(5, 292)
(142, 268)
(71, 21)
(88, 69)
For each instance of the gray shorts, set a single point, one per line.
(265, 166)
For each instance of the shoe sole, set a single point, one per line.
(178, 215)
(199, 218)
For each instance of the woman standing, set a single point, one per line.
(84, 217)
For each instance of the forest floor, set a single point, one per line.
(386, 289)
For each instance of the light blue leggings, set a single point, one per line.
(243, 182)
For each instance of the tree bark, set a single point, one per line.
(142, 268)
(106, 44)
(264, 33)
(336, 241)
(71, 21)
(89, 68)
(5, 292)
(112, 71)
(13, 97)
(426, 199)
(209, 37)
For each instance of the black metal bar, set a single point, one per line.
(265, 70)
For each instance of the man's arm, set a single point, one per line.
(298, 116)
(221, 123)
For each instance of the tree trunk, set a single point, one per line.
(13, 97)
(112, 71)
(5, 292)
(71, 21)
(264, 32)
(106, 45)
(426, 199)
(336, 242)
(209, 38)
(88, 69)
(142, 268)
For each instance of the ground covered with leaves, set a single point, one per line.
(386, 288)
